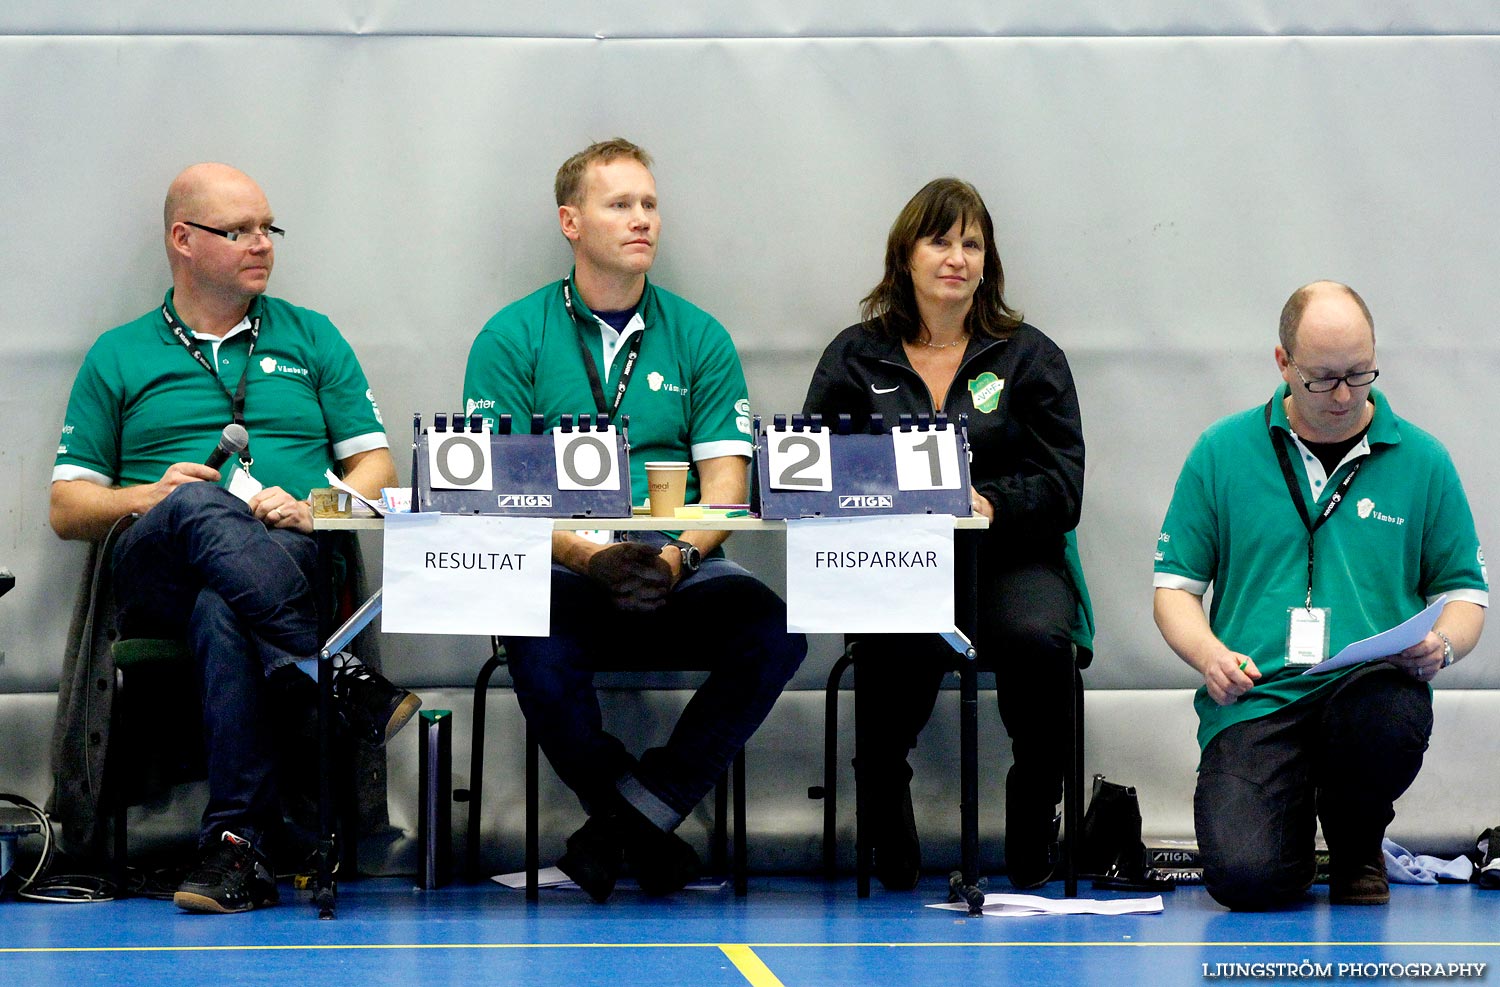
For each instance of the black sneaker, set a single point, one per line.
(377, 710)
(230, 877)
(1031, 829)
(663, 863)
(897, 848)
(593, 858)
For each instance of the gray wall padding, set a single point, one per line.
(1162, 174)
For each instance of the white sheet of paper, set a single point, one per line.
(1397, 639)
(551, 877)
(463, 574)
(1023, 905)
(871, 574)
(338, 484)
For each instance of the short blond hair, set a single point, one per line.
(568, 186)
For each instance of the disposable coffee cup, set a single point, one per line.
(666, 482)
(329, 502)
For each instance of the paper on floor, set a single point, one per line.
(1021, 905)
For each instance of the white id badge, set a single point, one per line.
(243, 485)
(1306, 636)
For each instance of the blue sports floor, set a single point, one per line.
(793, 931)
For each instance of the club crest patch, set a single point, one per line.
(984, 391)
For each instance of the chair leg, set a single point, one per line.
(740, 888)
(863, 858)
(324, 894)
(718, 849)
(115, 794)
(476, 762)
(1073, 785)
(533, 824)
(831, 764)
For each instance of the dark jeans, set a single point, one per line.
(1025, 617)
(199, 565)
(1343, 756)
(721, 619)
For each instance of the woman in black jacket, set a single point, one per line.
(937, 335)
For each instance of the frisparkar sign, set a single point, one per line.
(870, 574)
(456, 574)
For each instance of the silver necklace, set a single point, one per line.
(941, 346)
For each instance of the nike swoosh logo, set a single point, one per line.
(884, 390)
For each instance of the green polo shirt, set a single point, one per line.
(141, 402)
(1403, 536)
(686, 399)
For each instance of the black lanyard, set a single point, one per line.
(592, 368)
(237, 399)
(1334, 500)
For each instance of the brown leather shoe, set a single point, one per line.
(1363, 884)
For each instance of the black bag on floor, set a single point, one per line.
(1113, 853)
(1486, 857)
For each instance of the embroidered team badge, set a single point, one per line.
(984, 391)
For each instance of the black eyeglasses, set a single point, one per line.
(1323, 385)
(235, 236)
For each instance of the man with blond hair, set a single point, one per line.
(605, 340)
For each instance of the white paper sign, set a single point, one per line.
(871, 574)
(587, 460)
(926, 460)
(459, 460)
(457, 574)
(799, 460)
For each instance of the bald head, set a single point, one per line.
(1316, 292)
(203, 201)
(192, 191)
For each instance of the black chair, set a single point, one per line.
(162, 662)
(966, 667)
(718, 844)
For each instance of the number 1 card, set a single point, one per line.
(926, 460)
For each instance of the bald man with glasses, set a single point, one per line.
(1319, 518)
(221, 554)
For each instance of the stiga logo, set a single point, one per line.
(525, 500)
(859, 501)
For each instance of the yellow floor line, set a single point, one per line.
(745, 960)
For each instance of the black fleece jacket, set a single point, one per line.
(1027, 450)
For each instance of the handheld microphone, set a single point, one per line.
(234, 441)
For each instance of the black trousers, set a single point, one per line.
(1343, 757)
(1026, 609)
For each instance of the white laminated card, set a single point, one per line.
(872, 574)
(456, 574)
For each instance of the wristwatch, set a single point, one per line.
(1447, 648)
(691, 557)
